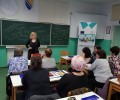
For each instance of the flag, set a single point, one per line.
(29, 4)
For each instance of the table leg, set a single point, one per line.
(10, 97)
(66, 65)
(14, 93)
(109, 92)
(60, 64)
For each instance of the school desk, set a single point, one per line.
(65, 60)
(83, 96)
(16, 81)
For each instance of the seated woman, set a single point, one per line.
(47, 61)
(18, 63)
(93, 56)
(36, 80)
(86, 54)
(101, 71)
(74, 80)
(114, 60)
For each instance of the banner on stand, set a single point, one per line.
(87, 34)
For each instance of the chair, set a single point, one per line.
(104, 91)
(62, 61)
(78, 91)
(45, 97)
(64, 53)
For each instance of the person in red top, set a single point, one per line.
(114, 60)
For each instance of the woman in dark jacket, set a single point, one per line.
(76, 79)
(33, 44)
(33, 80)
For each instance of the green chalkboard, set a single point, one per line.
(17, 32)
(60, 34)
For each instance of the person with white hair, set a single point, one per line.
(74, 80)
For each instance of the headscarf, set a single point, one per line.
(77, 63)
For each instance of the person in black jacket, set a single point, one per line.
(76, 79)
(33, 44)
(36, 80)
(93, 56)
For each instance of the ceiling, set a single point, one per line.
(99, 1)
(95, 1)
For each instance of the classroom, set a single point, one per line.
(72, 26)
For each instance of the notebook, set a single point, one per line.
(92, 97)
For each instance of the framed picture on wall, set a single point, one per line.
(108, 29)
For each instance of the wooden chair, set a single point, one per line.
(64, 53)
(62, 61)
(78, 91)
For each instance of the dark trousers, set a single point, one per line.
(92, 83)
(29, 55)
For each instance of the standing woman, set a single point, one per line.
(32, 44)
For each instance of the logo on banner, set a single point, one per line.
(29, 4)
(87, 28)
(85, 24)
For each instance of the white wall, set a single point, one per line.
(22, 13)
(54, 11)
(86, 8)
(58, 11)
(108, 13)
(77, 18)
(109, 22)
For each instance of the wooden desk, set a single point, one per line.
(16, 83)
(64, 60)
(79, 97)
(114, 85)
